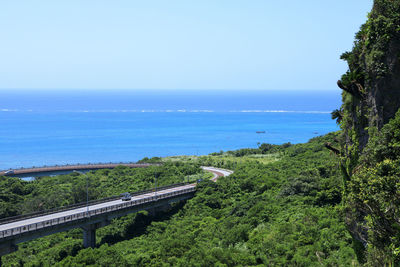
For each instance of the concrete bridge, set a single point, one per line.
(55, 170)
(99, 213)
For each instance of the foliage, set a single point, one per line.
(370, 150)
(337, 115)
(375, 189)
(284, 212)
(262, 149)
(385, 145)
(18, 196)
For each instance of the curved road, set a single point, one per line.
(218, 172)
(78, 167)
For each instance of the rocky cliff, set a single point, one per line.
(371, 86)
(371, 134)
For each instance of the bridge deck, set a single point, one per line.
(16, 231)
(73, 167)
(81, 210)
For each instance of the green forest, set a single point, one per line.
(280, 207)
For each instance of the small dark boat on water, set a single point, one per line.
(260, 132)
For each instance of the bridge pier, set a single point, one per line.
(10, 235)
(165, 208)
(7, 248)
(89, 232)
(151, 212)
(154, 210)
(89, 235)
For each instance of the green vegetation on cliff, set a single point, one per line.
(370, 153)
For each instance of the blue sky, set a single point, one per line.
(176, 44)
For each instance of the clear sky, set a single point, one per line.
(176, 44)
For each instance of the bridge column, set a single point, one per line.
(89, 236)
(151, 212)
(154, 210)
(165, 207)
(7, 248)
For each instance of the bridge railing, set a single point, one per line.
(82, 215)
(69, 164)
(80, 205)
(36, 170)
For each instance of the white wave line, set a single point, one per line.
(8, 110)
(176, 111)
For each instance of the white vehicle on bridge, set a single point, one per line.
(126, 196)
(24, 228)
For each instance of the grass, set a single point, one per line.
(204, 175)
(261, 158)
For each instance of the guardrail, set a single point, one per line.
(73, 167)
(73, 164)
(81, 215)
(80, 205)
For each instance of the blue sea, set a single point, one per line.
(49, 127)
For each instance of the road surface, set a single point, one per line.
(82, 210)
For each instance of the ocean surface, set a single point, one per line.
(42, 127)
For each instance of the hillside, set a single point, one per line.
(285, 205)
(280, 207)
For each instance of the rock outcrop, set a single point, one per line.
(371, 98)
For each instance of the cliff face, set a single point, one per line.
(384, 96)
(371, 87)
(370, 144)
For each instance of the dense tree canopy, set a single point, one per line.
(276, 209)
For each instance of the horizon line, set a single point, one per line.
(164, 89)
